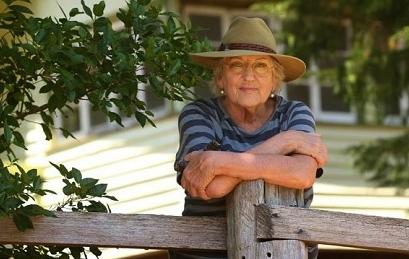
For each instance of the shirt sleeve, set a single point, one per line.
(196, 130)
(300, 118)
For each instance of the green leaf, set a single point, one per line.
(36, 210)
(87, 10)
(115, 117)
(47, 119)
(32, 173)
(88, 182)
(20, 9)
(76, 252)
(64, 171)
(47, 131)
(95, 250)
(84, 33)
(54, 165)
(74, 12)
(67, 133)
(175, 66)
(141, 118)
(76, 174)
(171, 24)
(99, 8)
(96, 206)
(8, 133)
(57, 100)
(41, 34)
(29, 47)
(12, 121)
(68, 190)
(26, 179)
(12, 203)
(22, 221)
(98, 190)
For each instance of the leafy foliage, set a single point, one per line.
(16, 190)
(362, 49)
(388, 160)
(64, 61)
(79, 191)
(83, 194)
(67, 61)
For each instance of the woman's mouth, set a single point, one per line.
(248, 89)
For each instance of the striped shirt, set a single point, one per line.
(202, 121)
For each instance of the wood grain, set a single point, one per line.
(120, 230)
(242, 241)
(334, 228)
(241, 227)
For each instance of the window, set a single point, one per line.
(209, 26)
(397, 110)
(331, 102)
(299, 92)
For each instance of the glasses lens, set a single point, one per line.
(236, 67)
(260, 68)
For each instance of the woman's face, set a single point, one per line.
(247, 81)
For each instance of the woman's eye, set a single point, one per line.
(236, 65)
(260, 65)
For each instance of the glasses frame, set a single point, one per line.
(246, 65)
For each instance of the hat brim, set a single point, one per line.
(293, 67)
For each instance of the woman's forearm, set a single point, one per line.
(288, 159)
(294, 142)
(279, 144)
(221, 186)
(224, 184)
(296, 171)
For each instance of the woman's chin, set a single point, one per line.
(249, 103)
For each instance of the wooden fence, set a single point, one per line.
(262, 221)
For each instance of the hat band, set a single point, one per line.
(245, 46)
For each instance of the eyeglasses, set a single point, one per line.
(260, 68)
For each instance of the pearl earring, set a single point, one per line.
(272, 95)
(221, 92)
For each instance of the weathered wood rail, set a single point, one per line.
(257, 226)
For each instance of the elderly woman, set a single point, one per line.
(261, 134)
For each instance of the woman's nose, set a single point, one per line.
(248, 72)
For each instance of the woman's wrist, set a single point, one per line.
(283, 144)
(219, 159)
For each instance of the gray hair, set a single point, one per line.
(278, 75)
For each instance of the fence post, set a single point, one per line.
(241, 230)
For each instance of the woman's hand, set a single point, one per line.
(199, 173)
(309, 144)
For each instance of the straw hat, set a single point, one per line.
(250, 36)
